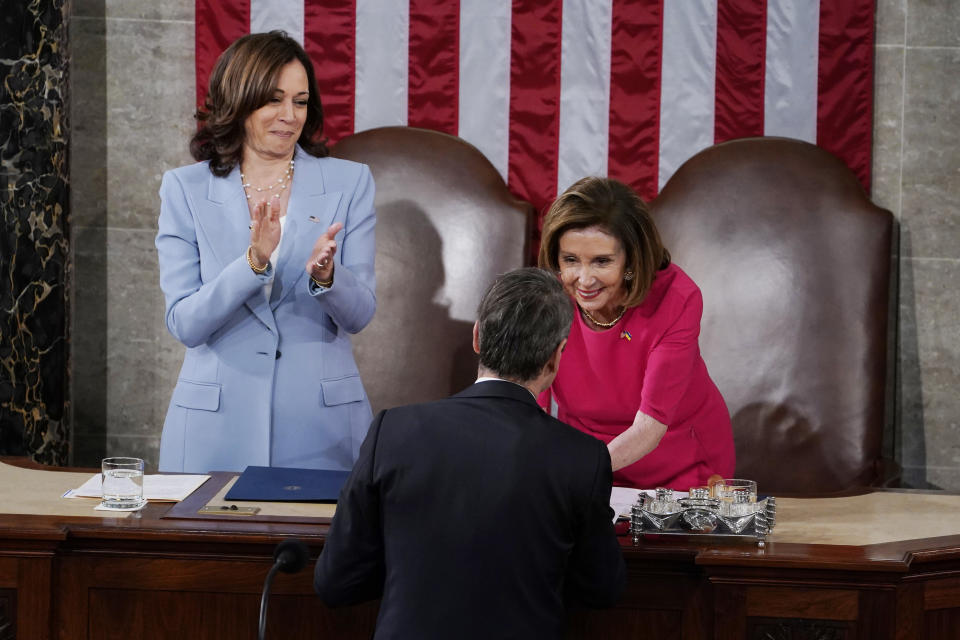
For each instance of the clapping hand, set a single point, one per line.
(264, 230)
(320, 264)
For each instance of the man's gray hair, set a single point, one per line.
(523, 317)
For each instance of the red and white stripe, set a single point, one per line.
(552, 90)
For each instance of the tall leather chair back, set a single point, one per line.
(446, 227)
(794, 264)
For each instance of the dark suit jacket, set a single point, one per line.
(477, 516)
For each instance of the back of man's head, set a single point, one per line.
(522, 319)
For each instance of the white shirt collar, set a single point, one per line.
(489, 378)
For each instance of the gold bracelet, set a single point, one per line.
(326, 284)
(257, 270)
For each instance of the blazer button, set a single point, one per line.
(278, 355)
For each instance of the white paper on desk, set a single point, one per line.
(158, 488)
(622, 498)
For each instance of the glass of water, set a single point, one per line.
(122, 483)
(738, 496)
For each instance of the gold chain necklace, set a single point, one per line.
(279, 185)
(605, 325)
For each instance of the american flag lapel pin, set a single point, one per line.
(626, 335)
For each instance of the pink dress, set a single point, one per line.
(650, 361)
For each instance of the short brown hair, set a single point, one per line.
(618, 210)
(243, 80)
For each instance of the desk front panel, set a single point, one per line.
(179, 580)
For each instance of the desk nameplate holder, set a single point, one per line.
(229, 510)
(703, 518)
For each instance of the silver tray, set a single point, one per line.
(703, 518)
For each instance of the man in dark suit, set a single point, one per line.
(480, 516)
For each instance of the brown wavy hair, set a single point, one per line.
(618, 210)
(244, 79)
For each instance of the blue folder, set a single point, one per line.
(284, 484)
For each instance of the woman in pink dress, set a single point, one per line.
(631, 374)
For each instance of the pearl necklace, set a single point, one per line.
(279, 185)
(605, 325)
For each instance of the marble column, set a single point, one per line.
(34, 248)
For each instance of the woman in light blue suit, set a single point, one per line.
(266, 253)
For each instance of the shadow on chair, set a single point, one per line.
(446, 227)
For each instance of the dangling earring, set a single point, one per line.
(628, 276)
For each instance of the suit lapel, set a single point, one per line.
(225, 220)
(310, 211)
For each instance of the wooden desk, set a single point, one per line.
(149, 577)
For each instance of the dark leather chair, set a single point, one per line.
(446, 227)
(794, 264)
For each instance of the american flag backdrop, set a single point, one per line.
(553, 90)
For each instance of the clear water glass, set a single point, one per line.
(122, 483)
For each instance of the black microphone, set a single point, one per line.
(290, 556)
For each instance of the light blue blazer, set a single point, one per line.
(265, 383)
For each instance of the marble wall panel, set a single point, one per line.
(89, 345)
(910, 441)
(123, 383)
(146, 447)
(885, 171)
(135, 9)
(947, 478)
(931, 152)
(88, 172)
(88, 117)
(136, 76)
(142, 357)
(891, 22)
(887, 127)
(938, 307)
(182, 10)
(933, 23)
(150, 100)
(925, 438)
(34, 261)
(90, 8)
(930, 366)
